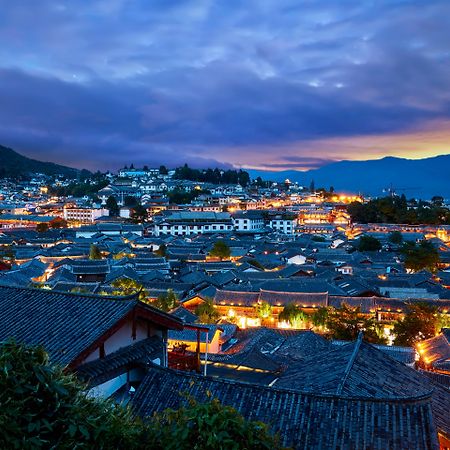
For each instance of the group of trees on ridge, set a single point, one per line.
(216, 176)
(397, 209)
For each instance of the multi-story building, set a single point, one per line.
(248, 221)
(185, 223)
(283, 222)
(84, 215)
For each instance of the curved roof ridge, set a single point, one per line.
(293, 293)
(350, 363)
(411, 399)
(133, 296)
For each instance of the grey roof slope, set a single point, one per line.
(65, 324)
(303, 420)
(68, 324)
(98, 371)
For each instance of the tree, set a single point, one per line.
(112, 206)
(346, 322)
(210, 425)
(220, 250)
(58, 222)
(263, 310)
(139, 214)
(45, 407)
(420, 256)
(420, 322)
(94, 252)
(312, 187)
(42, 227)
(130, 201)
(319, 317)
(294, 315)
(162, 251)
(368, 243)
(126, 286)
(167, 301)
(396, 237)
(163, 170)
(206, 312)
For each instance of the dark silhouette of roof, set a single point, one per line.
(303, 420)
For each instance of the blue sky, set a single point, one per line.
(268, 84)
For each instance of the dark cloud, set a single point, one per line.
(106, 82)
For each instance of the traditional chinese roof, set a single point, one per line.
(100, 370)
(303, 420)
(67, 324)
(436, 351)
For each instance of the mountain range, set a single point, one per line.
(420, 178)
(13, 164)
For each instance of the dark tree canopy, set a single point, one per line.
(398, 210)
(94, 252)
(112, 206)
(420, 322)
(206, 312)
(166, 301)
(346, 322)
(420, 256)
(368, 243)
(215, 176)
(220, 250)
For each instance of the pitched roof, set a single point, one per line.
(98, 371)
(66, 324)
(303, 420)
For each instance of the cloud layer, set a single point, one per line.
(254, 83)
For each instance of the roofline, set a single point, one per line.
(411, 399)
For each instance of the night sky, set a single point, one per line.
(269, 84)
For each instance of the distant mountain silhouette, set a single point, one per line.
(14, 164)
(422, 178)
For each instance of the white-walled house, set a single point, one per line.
(101, 338)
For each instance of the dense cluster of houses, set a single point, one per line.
(59, 288)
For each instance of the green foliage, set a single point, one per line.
(167, 301)
(420, 322)
(127, 286)
(94, 252)
(215, 176)
(112, 206)
(263, 310)
(130, 201)
(420, 256)
(294, 315)
(345, 323)
(139, 214)
(43, 407)
(255, 263)
(320, 317)
(368, 243)
(42, 227)
(58, 222)
(180, 197)
(396, 237)
(162, 251)
(396, 210)
(76, 189)
(220, 250)
(206, 312)
(206, 426)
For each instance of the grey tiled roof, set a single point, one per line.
(98, 371)
(65, 324)
(303, 420)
